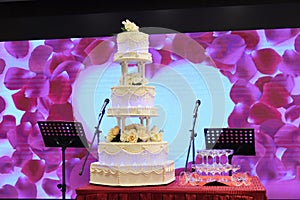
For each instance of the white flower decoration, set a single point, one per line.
(130, 26)
(156, 135)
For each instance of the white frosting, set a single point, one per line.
(133, 42)
(132, 96)
(131, 175)
(132, 46)
(132, 111)
(141, 153)
(147, 57)
(132, 164)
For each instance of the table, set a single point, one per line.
(173, 191)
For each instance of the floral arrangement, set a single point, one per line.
(134, 133)
(129, 26)
(113, 134)
(135, 79)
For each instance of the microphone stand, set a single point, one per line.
(192, 143)
(96, 133)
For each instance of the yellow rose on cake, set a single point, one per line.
(113, 134)
(129, 136)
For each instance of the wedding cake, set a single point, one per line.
(133, 154)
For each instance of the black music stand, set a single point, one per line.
(241, 140)
(63, 134)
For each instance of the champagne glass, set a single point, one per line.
(240, 179)
(235, 168)
(246, 178)
(213, 154)
(205, 168)
(220, 153)
(194, 179)
(236, 180)
(228, 153)
(227, 168)
(183, 178)
(201, 153)
(212, 171)
(204, 153)
(198, 169)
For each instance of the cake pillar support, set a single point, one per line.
(147, 124)
(119, 122)
(123, 123)
(124, 65)
(141, 121)
(141, 69)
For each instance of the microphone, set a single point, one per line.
(106, 101)
(198, 102)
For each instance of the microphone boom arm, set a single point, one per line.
(96, 133)
(192, 138)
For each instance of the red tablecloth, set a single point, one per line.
(173, 191)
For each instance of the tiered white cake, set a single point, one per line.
(133, 154)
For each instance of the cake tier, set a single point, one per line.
(132, 46)
(133, 57)
(132, 175)
(141, 153)
(132, 96)
(133, 112)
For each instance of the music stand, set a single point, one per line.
(241, 140)
(62, 134)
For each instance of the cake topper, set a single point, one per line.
(129, 26)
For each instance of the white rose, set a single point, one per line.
(156, 137)
(130, 26)
(124, 135)
(143, 135)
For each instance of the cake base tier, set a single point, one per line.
(132, 175)
(132, 112)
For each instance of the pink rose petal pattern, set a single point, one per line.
(34, 170)
(290, 63)
(6, 165)
(292, 113)
(16, 78)
(277, 36)
(18, 49)
(2, 104)
(2, 65)
(22, 102)
(39, 57)
(8, 192)
(8, 123)
(227, 49)
(60, 89)
(60, 45)
(26, 189)
(262, 81)
(274, 94)
(266, 60)
(260, 112)
(251, 38)
(50, 187)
